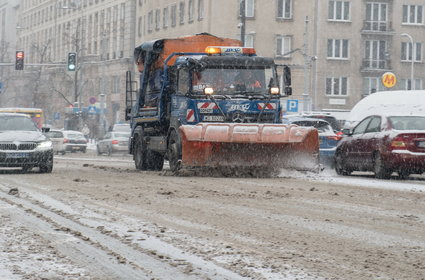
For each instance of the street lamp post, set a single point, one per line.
(412, 75)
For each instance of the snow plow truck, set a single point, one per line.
(206, 102)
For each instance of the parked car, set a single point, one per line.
(57, 138)
(332, 120)
(383, 144)
(113, 142)
(328, 139)
(22, 144)
(74, 141)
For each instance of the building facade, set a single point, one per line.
(338, 49)
(100, 33)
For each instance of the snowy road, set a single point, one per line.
(99, 218)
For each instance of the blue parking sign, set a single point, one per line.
(292, 105)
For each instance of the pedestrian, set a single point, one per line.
(86, 131)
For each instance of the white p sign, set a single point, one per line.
(292, 105)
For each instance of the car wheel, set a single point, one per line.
(173, 152)
(381, 172)
(109, 152)
(340, 166)
(84, 150)
(140, 153)
(403, 174)
(47, 166)
(98, 150)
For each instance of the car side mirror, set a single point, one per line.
(347, 131)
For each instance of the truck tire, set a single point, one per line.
(174, 154)
(155, 160)
(140, 153)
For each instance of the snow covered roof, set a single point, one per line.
(401, 102)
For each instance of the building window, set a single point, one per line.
(116, 84)
(376, 16)
(200, 9)
(173, 15)
(372, 85)
(407, 53)
(283, 46)
(190, 10)
(284, 9)
(375, 54)
(249, 8)
(337, 49)
(181, 13)
(139, 27)
(165, 17)
(150, 21)
(339, 10)
(413, 14)
(249, 40)
(157, 19)
(406, 84)
(337, 86)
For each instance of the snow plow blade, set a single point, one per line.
(268, 146)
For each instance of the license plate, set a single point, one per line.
(17, 155)
(213, 118)
(421, 144)
(75, 148)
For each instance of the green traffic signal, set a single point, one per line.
(72, 61)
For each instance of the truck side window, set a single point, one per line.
(153, 88)
(183, 82)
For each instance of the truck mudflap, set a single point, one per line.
(269, 146)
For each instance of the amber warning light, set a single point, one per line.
(229, 50)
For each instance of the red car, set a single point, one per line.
(383, 144)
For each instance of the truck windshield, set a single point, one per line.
(234, 81)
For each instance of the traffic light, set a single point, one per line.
(72, 61)
(19, 63)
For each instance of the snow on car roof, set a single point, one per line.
(400, 102)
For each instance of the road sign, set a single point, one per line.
(389, 79)
(292, 105)
(92, 110)
(92, 100)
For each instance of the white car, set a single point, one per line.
(113, 142)
(56, 136)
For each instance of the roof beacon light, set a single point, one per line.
(229, 50)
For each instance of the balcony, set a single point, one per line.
(373, 65)
(377, 27)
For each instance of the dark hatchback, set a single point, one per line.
(383, 144)
(22, 144)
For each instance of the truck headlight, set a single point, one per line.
(208, 91)
(274, 90)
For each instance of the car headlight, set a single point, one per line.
(45, 144)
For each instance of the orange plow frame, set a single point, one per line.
(271, 146)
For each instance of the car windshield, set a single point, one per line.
(54, 134)
(75, 135)
(319, 125)
(232, 81)
(408, 122)
(21, 123)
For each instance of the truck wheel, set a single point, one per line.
(155, 160)
(381, 172)
(174, 151)
(140, 153)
